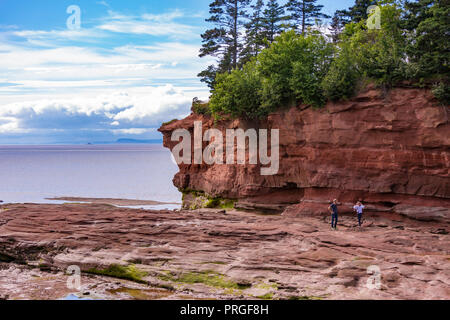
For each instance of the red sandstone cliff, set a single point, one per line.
(393, 152)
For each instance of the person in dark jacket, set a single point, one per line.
(334, 214)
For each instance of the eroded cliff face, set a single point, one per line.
(391, 151)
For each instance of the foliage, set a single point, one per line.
(337, 24)
(208, 76)
(169, 122)
(237, 93)
(374, 54)
(254, 38)
(223, 41)
(200, 107)
(273, 20)
(358, 12)
(304, 13)
(292, 69)
(442, 92)
(428, 25)
(380, 54)
(340, 82)
(121, 272)
(305, 66)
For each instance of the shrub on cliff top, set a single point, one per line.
(287, 72)
(409, 45)
(442, 92)
(293, 68)
(200, 107)
(377, 54)
(340, 82)
(238, 93)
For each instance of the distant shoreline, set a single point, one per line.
(155, 142)
(113, 202)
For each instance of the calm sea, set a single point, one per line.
(33, 173)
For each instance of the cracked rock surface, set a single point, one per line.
(207, 254)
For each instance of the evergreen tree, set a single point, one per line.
(303, 13)
(428, 23)
(416, 12)
(359, 10)
(254, 32)
(224, 41)
(338, 23)
(273, 20)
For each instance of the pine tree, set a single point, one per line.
(303, 13)
(359, 10)
(273, 22)
(224, 41)
(254, 32)
(428, 23)
(416, 12)
(337, 24)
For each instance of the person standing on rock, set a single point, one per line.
(334, 214)
(359, 208)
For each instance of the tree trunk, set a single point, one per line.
(235, 33)
(303, 18)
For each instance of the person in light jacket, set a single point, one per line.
(359, 209)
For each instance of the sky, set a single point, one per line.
(128, 67)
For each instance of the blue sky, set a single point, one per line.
(131, 66)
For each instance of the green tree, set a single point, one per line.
(337, 24)
(379, 55)
(273, 20)
(415, 12)
(382, 53)
(254, 32)
(428, 24)
(341, 80)
(224, 40)
(289, 71)
(236, 94)
(293, 68)
(304, 13)
(358, 11)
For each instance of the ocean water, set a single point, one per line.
(30, 174)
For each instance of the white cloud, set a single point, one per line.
(134, 111)
(64, 34)
(69, 82)
(150, 24)
(103, 3)
(172, 60)
(11, 125)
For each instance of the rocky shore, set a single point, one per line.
(214, 254)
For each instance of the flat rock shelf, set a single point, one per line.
(212, 254)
